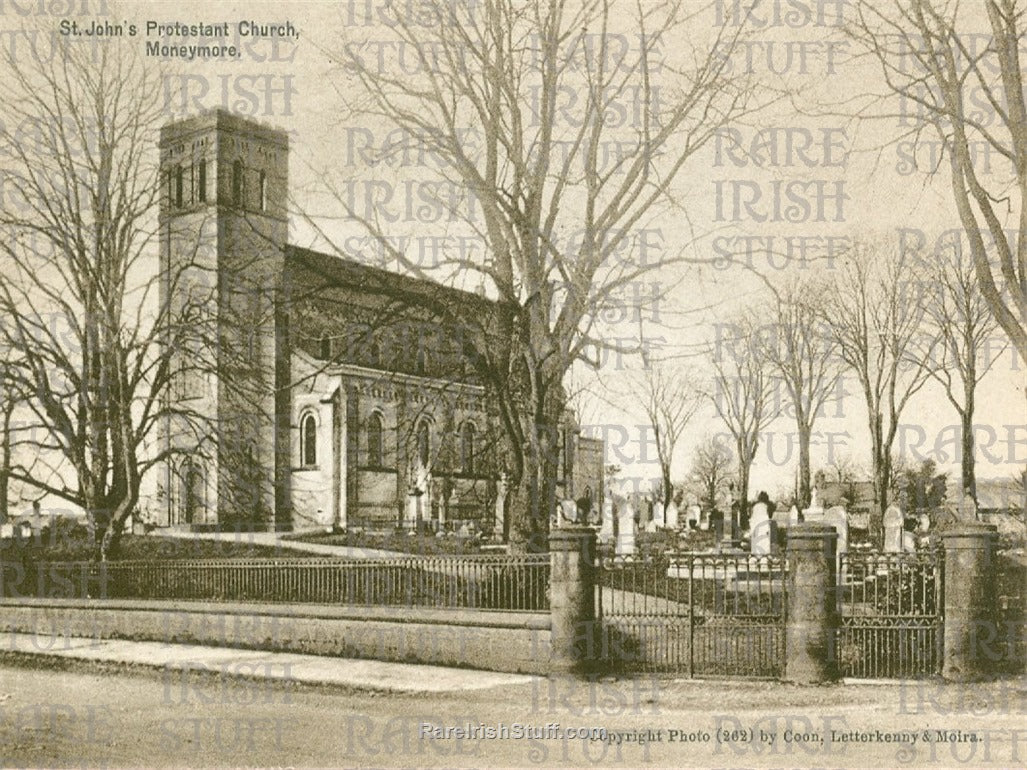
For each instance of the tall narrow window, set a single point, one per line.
(326, 346)
(263, 191)
(237, 183)
(423, 443)
(201, 181)
(308, 441)
(179, 186)
(467, 448)
(375, 441)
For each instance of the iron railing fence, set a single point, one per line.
(891, 613)
(489, 582)
(694, 613)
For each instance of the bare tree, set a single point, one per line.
(670, 400)
(960, 328)
(521, 104)
(876, 316)
(80, 279)
(711, 472)
(844, 467)
(962, 81)
(741, 395)
(801, 350)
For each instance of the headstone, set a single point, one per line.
(410, 517)
(967, 507)
(625, 545)
(568, 512)
(781, 519)
(908, 542)
(734, 533)
(692, 515)
(815, 512)
(606, 529)
(893, 529)
(760, 538)
(924, 523)
(793, 515)
(659, 517)
(704, 522)
(839, 519)
(672, 515)
(717, 525)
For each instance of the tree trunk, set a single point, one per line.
(668, 489)
(535, 497)
(805, 485)
(966, 417)
(882, 471)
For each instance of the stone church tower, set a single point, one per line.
(223, 232)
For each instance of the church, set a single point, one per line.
(339, 397)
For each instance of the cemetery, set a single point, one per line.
(709, 597)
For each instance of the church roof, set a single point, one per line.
(312, 270)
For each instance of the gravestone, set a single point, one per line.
(717, 525)
(606, 528)
(781, 519)
(893, 521)
(761, 536)
(924, 523)
(410, 517)
(908, 542)
(704, 521)
(815, 512)
(672, 515)
(568, 512)
(501, 491)
(967, 507)
(659, 517)
(793, 515)
(839, 519)
(625, 545)
(692, 515)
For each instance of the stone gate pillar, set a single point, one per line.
(969, 573)
(812, 611)
(572, 554)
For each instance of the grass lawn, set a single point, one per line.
(70, 541)
(404, 542)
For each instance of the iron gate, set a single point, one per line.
(891, 614)
(694, 614)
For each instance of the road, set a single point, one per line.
(106, 715)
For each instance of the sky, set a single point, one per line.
(840, 179)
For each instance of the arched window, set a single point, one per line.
(467, 448)
(263, 191)
(326, 346)
(308, 441)
(375, 352)
(423, 443)
(237, 183)
(421, 360)
(375, 441)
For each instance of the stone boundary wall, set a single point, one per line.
(496, 641)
